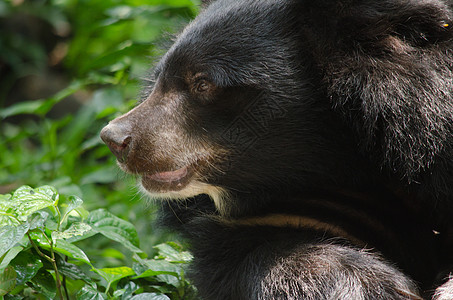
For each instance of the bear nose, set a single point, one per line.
(118, 141)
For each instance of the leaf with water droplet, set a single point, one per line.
(90, 293)
(26, 266)
(9, 256)
(37, 219)
(10, 235)
(76, 229)
(26, 200)
(7, 215)
(74, 203)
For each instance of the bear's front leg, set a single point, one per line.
(244, 262)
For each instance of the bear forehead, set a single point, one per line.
(228, 36)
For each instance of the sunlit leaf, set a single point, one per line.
(150, 296)
(170, 252)
(37, 219)
(26, 200)
(10, 235)
(112, 275)
(76, 229)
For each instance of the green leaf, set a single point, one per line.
(37, 219)
(44, 283)
(41, 106)
(112, 275)
(26, 200)
(7, 219)
(171, 252)
(9, 257)
(150, 296)
(153, 267)
(7, 215)
(76, 229)
(26, 266)
(74, 203)
(67, 249)
(26, 107)
(90, 293)
(7, 281)
(70, 270)
(127, 291)
(10, 235)
(114, 228)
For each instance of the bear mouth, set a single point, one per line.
(162, 182)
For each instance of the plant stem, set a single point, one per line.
(51, 260)
(64, 281)
(57, 274)
(37, 249)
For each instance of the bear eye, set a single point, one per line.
(202, 86)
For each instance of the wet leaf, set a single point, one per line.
(26, 266)
(171, 252)
(150, 296)
(76, 229)
(90, 293)
(10, 235)
(7, 281)
(9, 256)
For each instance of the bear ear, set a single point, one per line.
(425, 22)
(415, 22)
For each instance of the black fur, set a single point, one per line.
(326, 124)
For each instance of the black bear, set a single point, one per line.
(304, 147)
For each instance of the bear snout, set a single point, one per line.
(117, 138)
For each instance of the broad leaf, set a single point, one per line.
(90, 293)
(171, 252)
(37, 219)
(70, 270)
(7, 281)
(67, 249)
(10, 255)
(114, 228)
(26, 266)
(163, 270)
(45, 283)
(112, 275)
(76, 229)
(7, 215)
(74, 203)
(150, 296)
(26, 200)
(10, 235)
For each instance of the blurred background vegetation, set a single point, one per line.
(67, 67)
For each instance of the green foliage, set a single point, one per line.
(89, 57)
(39, 253)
